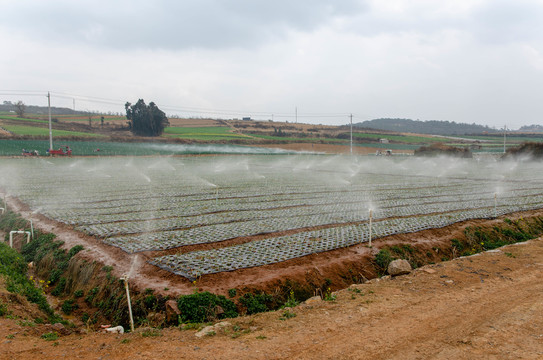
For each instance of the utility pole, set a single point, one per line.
(351, 134)
(296, 114)
(504, 132)
(50, 128)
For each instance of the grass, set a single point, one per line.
(15, 118)
(13, 268)
(287, 315)
(285, 139)
(203, 133)
(50, 336)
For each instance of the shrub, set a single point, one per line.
(59, 289)
(382, 259)
(256, 303)
(74, 250)
(205, 306)
(68, 306)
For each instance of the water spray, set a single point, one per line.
(371, 218)
(495, 205)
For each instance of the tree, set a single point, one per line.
(20, 108)
(146, 120)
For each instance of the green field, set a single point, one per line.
(40, 131)
(15, 118)
(106, 148)
(202, 133)
(286, 139)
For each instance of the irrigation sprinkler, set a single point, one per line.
(18, 232)
(495, 205)
(32, 229)
(371, 218)
(125, 280)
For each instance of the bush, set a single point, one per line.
(59, 289)
(74, 251)
(256, 303)
(204, 307)
(382, 259)
(68, 306)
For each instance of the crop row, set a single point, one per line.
(272, 250)
(162, 240)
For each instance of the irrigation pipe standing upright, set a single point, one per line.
(125, 279)
(50, 127)
(351, 134)
(371, 216)
(495, 205)
(504, 134)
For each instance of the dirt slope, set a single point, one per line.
(486, 306)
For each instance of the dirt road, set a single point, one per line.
(487, 306)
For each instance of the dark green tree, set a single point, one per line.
(146, 120)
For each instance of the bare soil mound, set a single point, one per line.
(442, 149)
(529, 149)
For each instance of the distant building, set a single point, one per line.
(383, 141)
(246, 118)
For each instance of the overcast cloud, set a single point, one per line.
(459, 60)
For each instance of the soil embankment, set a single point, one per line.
(486, 306)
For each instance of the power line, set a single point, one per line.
(184, 109)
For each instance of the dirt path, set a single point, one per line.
(486, 306)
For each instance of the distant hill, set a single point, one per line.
(8, 106)
(531, 128)
(433, 127)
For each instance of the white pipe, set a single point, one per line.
(32, 229)
(371, 217)
(125, 279)
(18, 232)
(495, 205)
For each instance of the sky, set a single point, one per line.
(470, 61)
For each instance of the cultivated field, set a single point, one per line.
(303, 204)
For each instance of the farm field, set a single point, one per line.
(107, 148)
(203, 133)
(277, 207)
(44, 131)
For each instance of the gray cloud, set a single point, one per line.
(172, 24)
(490, 22)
